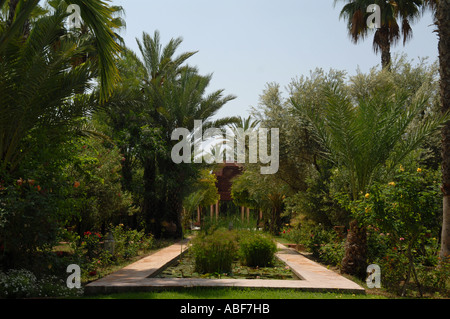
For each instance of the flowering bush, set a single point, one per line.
(394, 266)
(18, 284)
(405, 213)
(92, 244)
(21, 283)
(294, 235)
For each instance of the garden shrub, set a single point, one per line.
(319, 236)
(332, 253)
(128, 243)
(393, 270)
(91, 242)
(21, 283)
(257, 249)
(215, 253)
(294, 235)
(405, 213)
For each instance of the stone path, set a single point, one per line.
(135, 277)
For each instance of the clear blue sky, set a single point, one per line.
(248, 43)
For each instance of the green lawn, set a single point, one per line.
(230, 293)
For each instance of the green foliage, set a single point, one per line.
(46, 81)
(128, 242)
(256, 249)
(406, 215)
(33, 210)
(407, 207)
(91, 242)
(143, 113)
(326, 245)
(263, 192)
(24, 284)
(293, 235)
(204, 193)
(215, 253)
(97, 192)
(233, 222)
(394, 267)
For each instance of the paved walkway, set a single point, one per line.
(135, 277)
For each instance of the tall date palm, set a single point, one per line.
(443, 23)
(41, 76)
(167, 94)
(396, 19)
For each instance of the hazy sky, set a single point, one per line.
(248, 43)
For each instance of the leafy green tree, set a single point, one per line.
(407, 208)
(368, 136)
(44, 78)
(96, 174)
(303, 172)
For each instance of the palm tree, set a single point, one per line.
(240, 129)
(441, 11)
(164, 94)
(40, 84)
(394, 13)
(443, 23)
(96, 14)
(38, 87)
(182, 102)
(365, 138)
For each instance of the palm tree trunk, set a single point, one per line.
(383, 42)
(11, 14)
(150, 209)
(443, 21)
(386, 57)
(355, 259)
(12, 10)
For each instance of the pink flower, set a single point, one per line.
(401, 238)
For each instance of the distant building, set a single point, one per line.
(225, 173)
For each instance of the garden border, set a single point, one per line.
(137, 277)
